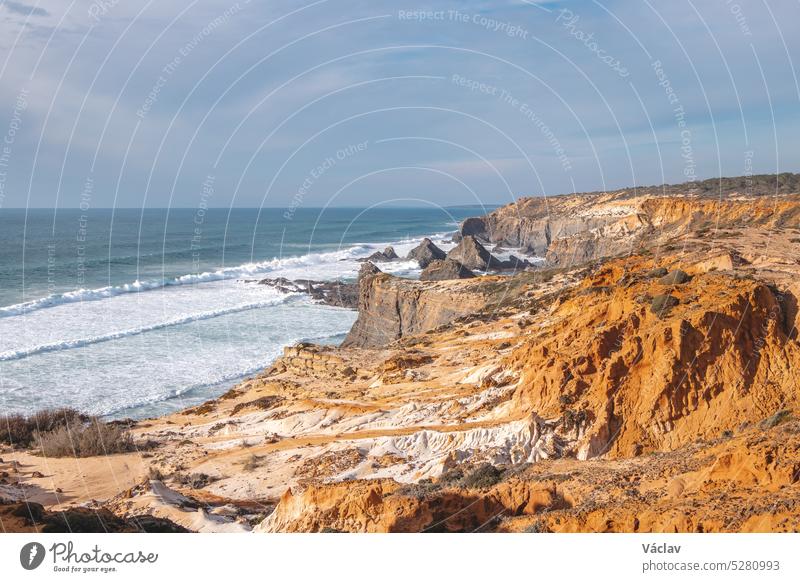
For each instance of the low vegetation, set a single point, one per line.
(194, 480)
(662, 304)
(776, 419)
(483, 476)
(84, 439)
(20, 431)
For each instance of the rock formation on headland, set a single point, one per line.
(647, 379)
(574, 229)
(390, 307)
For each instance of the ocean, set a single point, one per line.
(135, 313)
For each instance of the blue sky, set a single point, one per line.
(285, 104)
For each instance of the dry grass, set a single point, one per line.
(20, 431)
(84, 439)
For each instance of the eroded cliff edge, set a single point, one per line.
(390, 307)
(572, 229)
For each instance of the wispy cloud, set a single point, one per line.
(24, 9)
(274, 89)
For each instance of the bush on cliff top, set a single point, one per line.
(84, 439)
(484, 475)
(662, 304)
(676, 277)
(776, 419)
(20, 431)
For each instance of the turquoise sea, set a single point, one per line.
(134, 313)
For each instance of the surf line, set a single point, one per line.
(82, 342)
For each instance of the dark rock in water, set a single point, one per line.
(676, 277)
(426, 252)
(515, 263)
(473, 255)
(442, 270)
(335, 293)
(383, 256)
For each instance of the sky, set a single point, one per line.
(158, 103)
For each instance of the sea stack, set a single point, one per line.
(426, 252)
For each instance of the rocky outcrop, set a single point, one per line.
(334, 293)
(472, 254)
(21, 517)
(445, 270)
(384, 256)
(573, 229)
(390, 307)
(385, 506)
(313, 360)
(426, 252)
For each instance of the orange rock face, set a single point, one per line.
(747, 482)
(638, 381)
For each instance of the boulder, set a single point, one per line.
(426, 252)
(676, 277)
(474, 226)
(442, 270)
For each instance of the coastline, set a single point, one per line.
(212, 312)
(571, 396)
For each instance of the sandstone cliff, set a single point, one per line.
(573, 229)
(390, 307)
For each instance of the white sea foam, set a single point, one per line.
(238, 272)
(330, 265)
(81, 342)
(147, 347)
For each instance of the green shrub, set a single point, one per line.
(194, 480)
(778, 418)
(537, 526)
(451, 476)
(419, 490)
(252, 463)
(484, 475)
(263, 403)
(656, 273)
(676, 277)
(661, 304)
